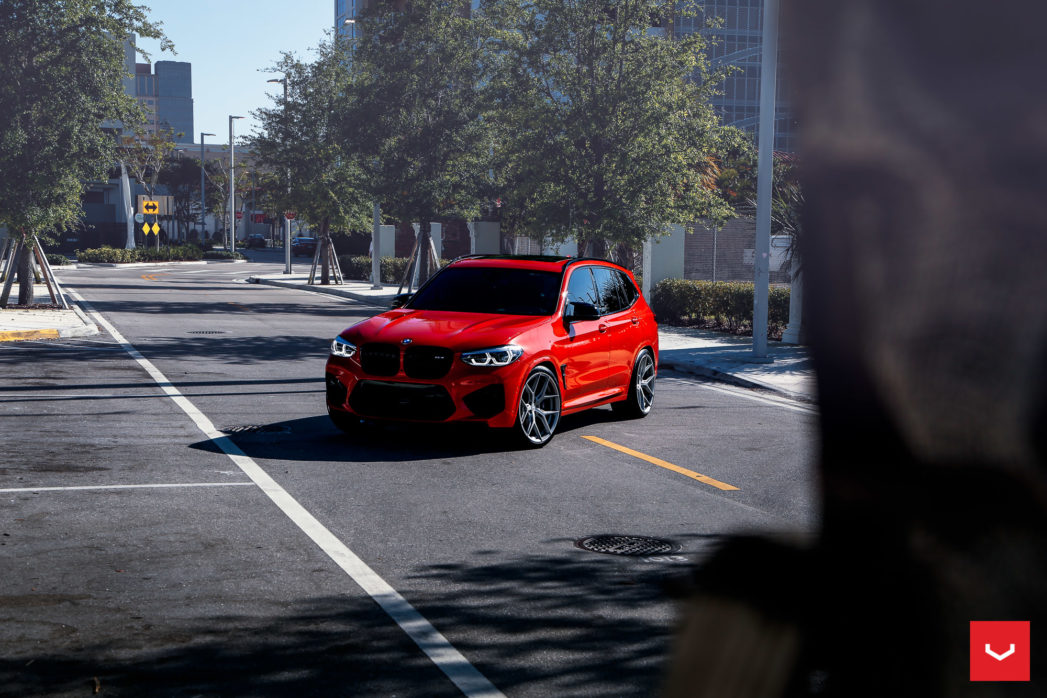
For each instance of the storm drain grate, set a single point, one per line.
(207, 332)
(258, 429)
(631, 546)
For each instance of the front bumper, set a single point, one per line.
(466, 393)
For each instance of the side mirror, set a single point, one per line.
(400, 300)
(581, 311)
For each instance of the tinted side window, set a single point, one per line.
(580, 288)
(626, 289)
(607, 286)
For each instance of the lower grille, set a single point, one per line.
(336, 391)
(386, 400)
(380, 359)
(486, 402)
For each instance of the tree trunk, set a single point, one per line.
(25, 272)
(422, 260)
(325, 252)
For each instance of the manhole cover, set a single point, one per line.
(258, 429)
(631, 546)
(207, 332)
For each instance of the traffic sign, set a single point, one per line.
(239, 215)
(145, 228)
(139, 218)
(151, 228)
(156, 229)
(151, 207)
(290, 215)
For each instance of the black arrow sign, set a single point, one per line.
(151, 207)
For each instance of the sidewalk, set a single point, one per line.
(789, 371)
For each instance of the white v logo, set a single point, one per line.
(999, 657)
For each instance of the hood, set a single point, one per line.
(459, 331)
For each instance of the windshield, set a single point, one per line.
(499, 290)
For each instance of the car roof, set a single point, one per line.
(522, 261)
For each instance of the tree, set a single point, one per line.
(63, 68)
(605, 129)
(316, 175)
(416, 117)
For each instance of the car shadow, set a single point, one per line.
(317, 439)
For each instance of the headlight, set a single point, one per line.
(340, 347)
(496, 356)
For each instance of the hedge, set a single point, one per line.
(359, 267)
(116, 255)
(727, 304)
(57, 260)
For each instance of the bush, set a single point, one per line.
(57, 260)
(114, 255)
(359, 267)
(724, 304)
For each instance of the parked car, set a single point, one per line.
(513, 342)
(303, 246)
(256, 240)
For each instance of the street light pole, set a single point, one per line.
(203, 205)
(232, 200)
(376, 230)
(764, 179)
(287, 221)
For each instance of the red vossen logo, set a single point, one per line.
(1000, 650)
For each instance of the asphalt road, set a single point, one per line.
(139, 557)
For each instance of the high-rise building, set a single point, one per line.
(737, 42)
(166, 95)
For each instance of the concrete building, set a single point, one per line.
(166, 96)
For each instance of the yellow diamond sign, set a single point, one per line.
(145, 228)
(156, 229)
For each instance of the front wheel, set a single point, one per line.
(641, 388)
(538, 412)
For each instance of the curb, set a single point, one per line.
(377, 301)
(734, 379)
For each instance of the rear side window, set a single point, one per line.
(626, 289)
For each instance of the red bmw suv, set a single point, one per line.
(512, 341)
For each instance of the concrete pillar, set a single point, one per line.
(484, 237)
(663, 258)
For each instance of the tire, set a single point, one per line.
(348, 423)
(538, 408)
(641, 389)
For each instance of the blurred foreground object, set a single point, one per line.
(924, 163)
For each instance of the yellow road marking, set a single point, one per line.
(662, 464)
(19, 335)
(149, 277)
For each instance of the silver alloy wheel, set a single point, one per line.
(539, 409)
(644, 382)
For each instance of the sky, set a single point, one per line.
(229, 43)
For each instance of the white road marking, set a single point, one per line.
(174, 485)
(457, 668)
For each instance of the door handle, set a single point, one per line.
(602, 328)
(636, 320)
